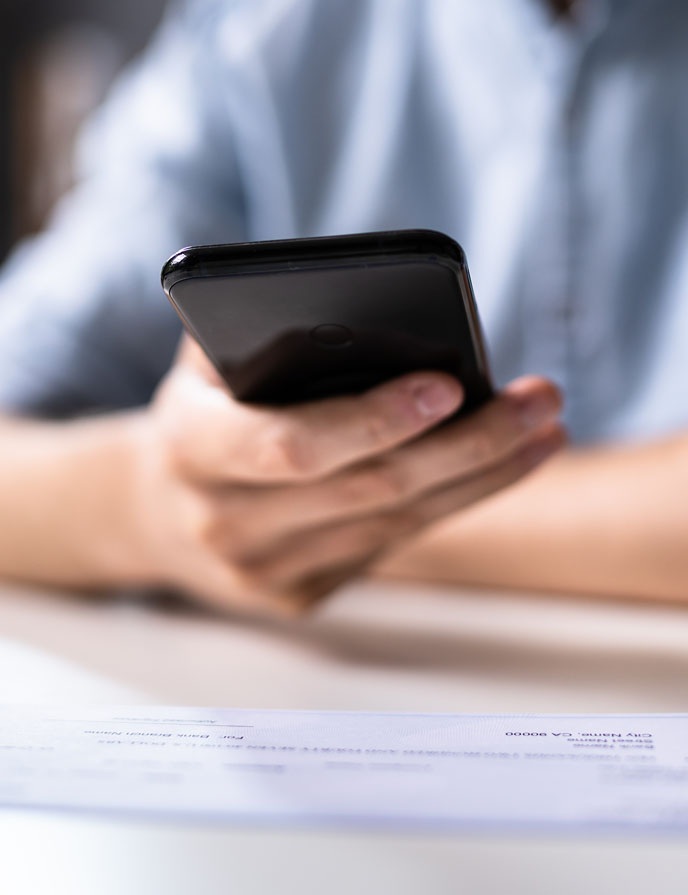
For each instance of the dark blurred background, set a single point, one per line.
(57, 60)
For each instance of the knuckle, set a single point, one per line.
(511, 416)
(373, 486)
(212, 527)
(493, 432)
(378, 532)
(172, 448)
(482, 445)
(514, 466)
(375, 429)
(283, 453)
(205, 522)
(348, 544)
(171, 412)
(366, 539)
(252, 568)
(522, 462)
(408, 520)
(241, 589)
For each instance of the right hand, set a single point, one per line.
(268, 509)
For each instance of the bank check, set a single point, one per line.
(471, 772)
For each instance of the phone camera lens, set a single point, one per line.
(332, 335)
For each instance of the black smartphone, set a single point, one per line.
(296, 320)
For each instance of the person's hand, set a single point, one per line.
(263, 508)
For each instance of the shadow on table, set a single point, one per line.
(550, 652)
(638, 652)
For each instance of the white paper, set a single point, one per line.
(544, 772)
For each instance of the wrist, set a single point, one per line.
(143, 548)
(75, 495)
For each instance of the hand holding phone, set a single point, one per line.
(266, 509)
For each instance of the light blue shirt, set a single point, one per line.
(556, 153)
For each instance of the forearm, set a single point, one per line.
(606, 521)
(68, 499)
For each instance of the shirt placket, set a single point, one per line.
(551, 288)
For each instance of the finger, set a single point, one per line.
(191, 356)
(445, 455)
(523, 412)
(362, 541)
(459, 496)
(313, 588)
(226, 589)
(216, 438)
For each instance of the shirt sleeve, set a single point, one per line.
(84, 324)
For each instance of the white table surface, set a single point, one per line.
(370, 648)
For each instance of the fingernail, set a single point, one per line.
(539, 408)
(436, 399)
